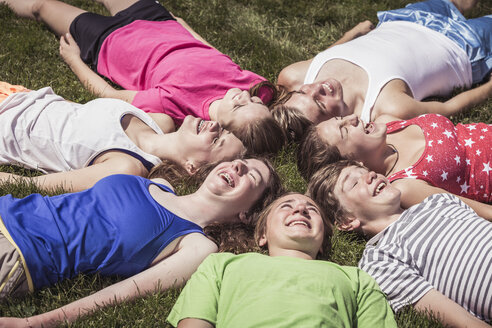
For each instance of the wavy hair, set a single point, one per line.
(314, 153)
(321, 189)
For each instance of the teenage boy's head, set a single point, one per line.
(352, 196)
(294, 224)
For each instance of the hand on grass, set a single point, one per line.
(69, 49)
(360, 29)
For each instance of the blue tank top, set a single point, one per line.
(114, 228)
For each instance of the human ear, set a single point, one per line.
(350, 224)
(190, 167)
(263, 241)
(244, 218)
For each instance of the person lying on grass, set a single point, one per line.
(434, 256)
(425, 49)
(163, 65)
(125, 225)
(288, 288)
(421, 156)
(78, 144)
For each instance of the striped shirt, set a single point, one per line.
(439, 244)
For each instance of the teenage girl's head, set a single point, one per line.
(245, 114)
(311, 104)
(243, 185)
(294, 222)
(201, 143)
(340, 138)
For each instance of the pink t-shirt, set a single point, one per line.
(173, 72)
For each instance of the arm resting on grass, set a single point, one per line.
(404, 106)
(415, 191)
(292, 76)
(450, 313)
(70, 52)
(172, 271)
(81, 179)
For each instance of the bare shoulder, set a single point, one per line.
(163, 182)
(121, 163)
(292, 76)
(199, 242)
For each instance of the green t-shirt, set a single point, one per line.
(255, 290)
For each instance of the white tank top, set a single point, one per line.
(426, 60)
(43, 131)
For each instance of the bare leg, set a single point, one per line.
(115, 6)
(57, 15)
(464, 5)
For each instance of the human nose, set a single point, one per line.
(370, 176)
(301, 208)
(240, 167)
(244, 97)
(214, 126)
(350, 120)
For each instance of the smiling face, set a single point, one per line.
(239, 183)
(319, 101)
(366, 195)
(294, 223)
(353, 138)
(238, 108)
(203, 142)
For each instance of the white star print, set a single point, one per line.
(481, 187)
(457, 159)
(425, 173)
(439, 142)
(430, 143)
(429, 158)
(478, 152)
(469, 142)
(485, 130)
(458, 179)
(467, 162)
(486, 167)
(447, 133)
(444, 175)
(482, 137)
(409, 173)
(434, 125)
(471, 127)
(464, 188)
(485, 195)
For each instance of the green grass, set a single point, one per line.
(260, 35)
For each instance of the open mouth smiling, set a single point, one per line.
(381, 185)
(200, 126)
(228, 179)
(305, 223)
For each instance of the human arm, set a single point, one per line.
(414, 191)
(164, 121)
(292, 76)
(194, 323)
(116, 162)
(450, 313)
(70, 52)
(173, 270)
(401, 104)
(192, 31)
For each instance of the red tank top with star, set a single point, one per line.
(455, 158)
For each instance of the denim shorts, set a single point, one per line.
(474, 36)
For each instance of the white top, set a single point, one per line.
(440, 243)
(426, 60)
(43, 131)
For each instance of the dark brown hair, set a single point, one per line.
(292, 121)
(261, 137)
(321, 189)
(262, 218)
(314, 153)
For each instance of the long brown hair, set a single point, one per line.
(314, 153)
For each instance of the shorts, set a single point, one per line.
(474, 36)
(6, 89)
(90, 30)
(13, 280)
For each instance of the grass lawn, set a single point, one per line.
(260, 35)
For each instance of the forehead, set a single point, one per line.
(329, 131)
(230, 143)
(302, 102)
(258, 166)
(294, 198)
(348, 174)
